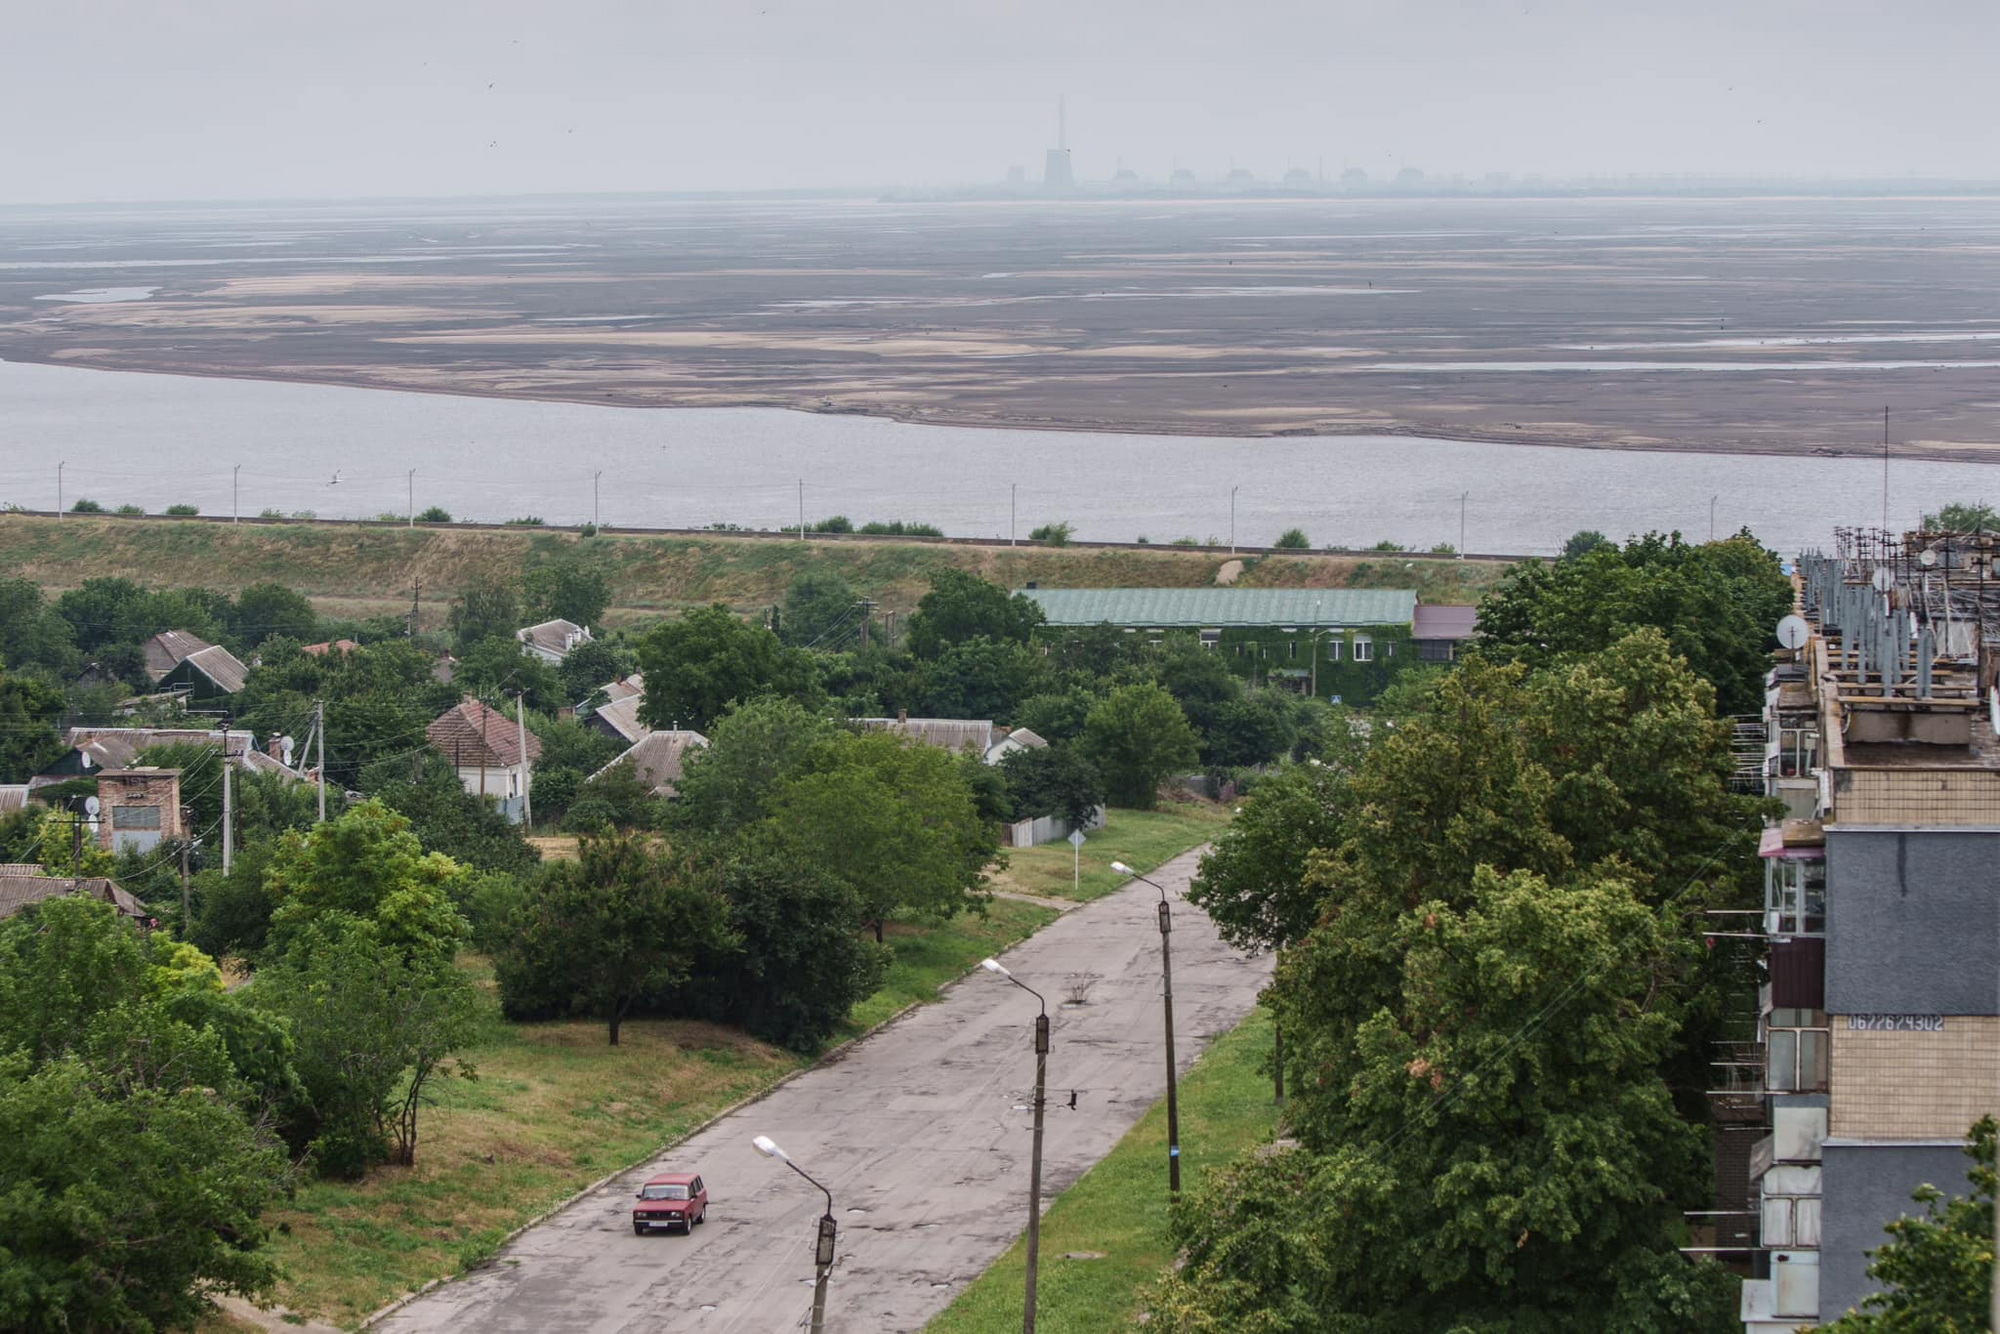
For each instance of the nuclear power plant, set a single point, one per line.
(1057, 178)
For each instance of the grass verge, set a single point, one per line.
(1140, 839)
(1117, 1212)
(554, 1108)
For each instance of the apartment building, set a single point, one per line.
(1878, 1032)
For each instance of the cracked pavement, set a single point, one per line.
(921, 1131)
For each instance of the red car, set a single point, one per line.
(676, 1200)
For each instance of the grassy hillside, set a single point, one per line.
(359, 570)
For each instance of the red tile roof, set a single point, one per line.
(475, 736)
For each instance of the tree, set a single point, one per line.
(1253, 881)
(752, 749)
(891, 819)
(1585, 541)
(1255, 729)
(426, 791)
(376, 1026)
(1293, 539)
(484, 608)
(1717, 604)
(32, 634)
(1055, 715)
(135, 1175)
(1936, 1268)
(1055, 534)
(1138, 737)
(821, 611)
(566, 589)
(1056, 780)
(501, 665)
(435, 514)
(1959, 517)
(590, 666)
(799, 967)
(366, 869)
(608, 931)
(978, 678)
(28, 739)
(267, 609)
(697, 666)
(962, 606)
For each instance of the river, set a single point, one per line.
(336, 452)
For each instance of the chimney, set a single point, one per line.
(902, 715)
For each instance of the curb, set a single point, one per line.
(382, 1313)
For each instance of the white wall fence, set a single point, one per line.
(1043, 829)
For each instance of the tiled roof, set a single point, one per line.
(473, 736)
(657, 758)
(115, 747)
(340, 646)
(220, 666)
(19, 891)
(1445, 621)
(964, 734)
(626, 688)
(13, 797)
(557, 636)
(1222, 608)
(168, 649)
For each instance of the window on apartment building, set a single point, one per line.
(1796, 1044)
(1364, 649)
(1798, 751)
(1794, 896)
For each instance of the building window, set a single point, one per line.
(1364, 649)
(135, 817)
(1794, 896)
(1389, 648)
(1796, 1044)
(1209, 638)
(1333, 650)
(1292, 649)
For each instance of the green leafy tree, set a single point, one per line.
(1055, 534)
(893, 820)
(697, 666)
(752, 749)
(32, 635)
(1255, 729)
(1293, 539)
(590, 666)
(29, 742)
(962, 606)
(1717, 604)
(1963, 518)
(798, 967)
(1253, 882)
(608, 932)
(978, 678)
(267, 609)
(1138, 737)
(1936, 1270)
(376, 1026)
(1056, 780)
(1200, 682)
(617, 798)
(1055, 715)
(821, 611)
(566, 589)
(425, 790)
(1585, 541)
(368, 870)
(499, 667)
(485, 608)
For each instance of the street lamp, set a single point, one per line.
(1167, 978)
(1035, 1158)
(823, 1252)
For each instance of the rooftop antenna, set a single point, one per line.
(1885, 468)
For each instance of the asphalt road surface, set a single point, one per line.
(921, 1131)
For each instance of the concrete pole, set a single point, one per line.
(59, 498)
(235, 478)
(319, 731)
(1012, 489)
(1035, 1170)
(1173, 1099)
(1232, 519)
(411, 480)
(521, 724)
(228, 809)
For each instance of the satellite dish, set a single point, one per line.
(91, 806)
(1882, 579)
(1793, 632)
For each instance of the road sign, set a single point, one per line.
(1076, 839)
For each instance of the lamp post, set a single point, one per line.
(1232, 519)
(1167, 980)
(1035, 1157)
(828, 1229)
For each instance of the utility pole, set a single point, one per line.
(1232, 519)
(521, 723)
(235, 477)
(186, 911)
(59, 498)
(593, 496)
(1035, 1169)
(416, 597)
(319, 734)
(1461, 523)
(229, 806)
(1711, 516)
(1885, 468)
(1012, 489)
(1167, 984)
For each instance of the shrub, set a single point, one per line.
(839, 523)
(435, 514)
(900, 528)
(1292, 539)
(182, 511)
(1055, 534)
(526, 521)
(86, 507)
(130, 509)
(270, 514)
(1386, 545)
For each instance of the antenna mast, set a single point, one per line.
(1885, 468)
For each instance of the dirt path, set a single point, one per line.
(921, 1131)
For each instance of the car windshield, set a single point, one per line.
(664, 1193)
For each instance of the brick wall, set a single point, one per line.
(1913, 1085)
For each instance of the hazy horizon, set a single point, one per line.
(119, 100)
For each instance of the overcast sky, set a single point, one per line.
(166, 99)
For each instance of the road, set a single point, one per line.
(921, 1131)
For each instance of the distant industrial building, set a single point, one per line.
(1057, 175)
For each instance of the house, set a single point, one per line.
(1441, 630)
(657, 759)
(179, 661)
(485, 746)
(24, 884)
(1332, 643)
(95, 749)
(342, 647)
(618, 716)
(138, 808)
(964, 736)
(1005, 743)
(168, 650)
(13, 797)
(551, 641)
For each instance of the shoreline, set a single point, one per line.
(1395, 429)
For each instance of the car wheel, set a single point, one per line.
(702, 1217)
(638, 1229)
